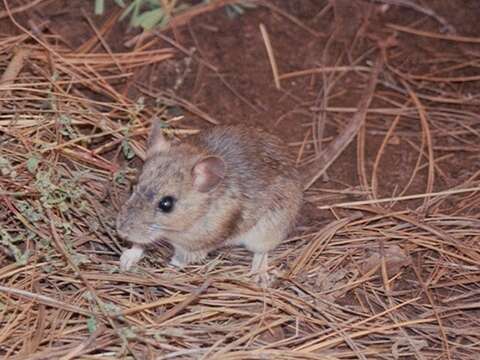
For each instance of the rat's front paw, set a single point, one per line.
(130, 258)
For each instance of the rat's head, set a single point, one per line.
(174, 191)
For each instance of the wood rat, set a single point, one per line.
(229, 185)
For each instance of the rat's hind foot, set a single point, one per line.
(130, 257)
(260, 270)
(182, 258)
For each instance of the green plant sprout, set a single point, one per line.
(151, 13)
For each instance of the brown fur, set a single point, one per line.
(260, 185)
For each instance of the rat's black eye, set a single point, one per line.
(166, 204)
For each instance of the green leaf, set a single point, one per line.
(119, 177)
(22, 259)
(164, 21)
(129, 9)
(135, 15)
(28, 211)
(238, 9)
(150, 18)
(8, 241)
(127, 150)
(91, 325)
(67, 129)
(99, 7)
(4, 162)
(128, 332)
(32, 164)
(120, 3)
(6, 167)
(153, 3)
(112, 309)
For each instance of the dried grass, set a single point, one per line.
(381, 280)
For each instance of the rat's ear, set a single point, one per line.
(157, 142)
(207, 173)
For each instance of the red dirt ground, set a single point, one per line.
(242, 89)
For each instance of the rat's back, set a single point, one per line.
(255, 158)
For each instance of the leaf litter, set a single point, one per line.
(389, 277)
